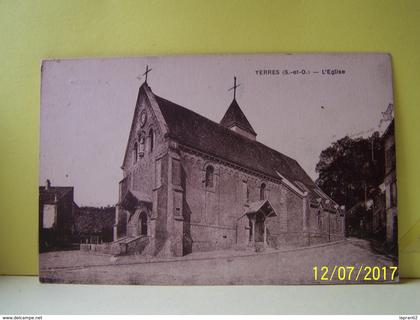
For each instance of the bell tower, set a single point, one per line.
(235, 120)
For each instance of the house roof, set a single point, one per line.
(196, 131)
(52, 194)
(235, 117)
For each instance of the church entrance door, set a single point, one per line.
(251, 231)
(259, 227)
(142, 224)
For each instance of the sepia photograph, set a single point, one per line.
(264, 169)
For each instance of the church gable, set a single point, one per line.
(147, 126)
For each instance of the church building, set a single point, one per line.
(191, 184)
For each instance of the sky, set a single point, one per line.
(87, 107)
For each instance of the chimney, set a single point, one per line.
(47, 184)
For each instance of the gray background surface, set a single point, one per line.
(25, 295)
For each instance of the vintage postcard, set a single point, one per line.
(218, 170)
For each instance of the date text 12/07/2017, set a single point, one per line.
(353, 273)
(287, 72)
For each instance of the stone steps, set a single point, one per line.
(123, 246)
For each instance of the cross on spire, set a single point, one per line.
(146, 72)
(234, 88)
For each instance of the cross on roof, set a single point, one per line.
(146, 72)
(234, 87)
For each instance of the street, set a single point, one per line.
(292, 266)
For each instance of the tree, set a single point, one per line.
(351, 170)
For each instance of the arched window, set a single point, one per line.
(209, 176)
(247, 193)
(262, 191)
(135, 151)
(151, 139)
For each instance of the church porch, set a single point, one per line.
(252, 225)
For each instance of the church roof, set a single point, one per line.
(235, 117)
(198, 132)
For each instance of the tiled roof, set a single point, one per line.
(196, 131)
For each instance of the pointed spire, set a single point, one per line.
(236, 120)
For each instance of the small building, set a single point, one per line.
(390, 185)
(56, 216)
(191, 184)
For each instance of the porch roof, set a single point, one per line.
(263, 206)
(134, 198)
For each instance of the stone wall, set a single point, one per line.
(206, 238)
(214, 211)
(159, 231)
(325, 225)
(136, 245)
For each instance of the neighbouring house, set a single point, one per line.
(390, 185)
(191, 184)
(56, 216)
